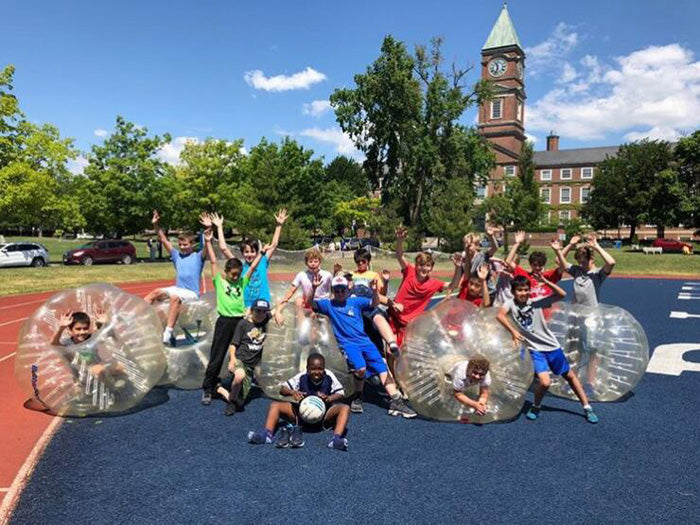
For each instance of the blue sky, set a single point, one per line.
(598, 72)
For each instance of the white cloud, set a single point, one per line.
(301, 80)
(549, 55)
(317, 108)
(656, 89)
(77, 165)
(335, 136)
(101, 132)
(532, 138)
(568, 74)
(170, 152)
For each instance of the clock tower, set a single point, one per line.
(501, 119)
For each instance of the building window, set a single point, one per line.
(565, 195)
(481, 191)
(545, 174)
(586, 173)
(566, 174)
(545, 195)
(497, 108)
(584, 193)
(564, 215)
(510, 171)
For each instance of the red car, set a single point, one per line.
(101, 251)
(668, 245)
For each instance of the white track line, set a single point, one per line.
(25, 472)
(14, 321)
(7, 357)
(23, 304)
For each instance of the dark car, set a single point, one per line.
(369, 241)
(669, 245)
(108, 251)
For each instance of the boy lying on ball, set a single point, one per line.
(474, 371)
(319, 382)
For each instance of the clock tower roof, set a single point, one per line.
(503, 33)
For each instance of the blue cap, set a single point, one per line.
(261, 304)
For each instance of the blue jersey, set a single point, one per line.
(328, 385)
(258, 286)
(346, 319)
(188, 269)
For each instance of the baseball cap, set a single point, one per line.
(339, 280)
(260, 304)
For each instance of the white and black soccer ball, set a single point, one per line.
(312, 409)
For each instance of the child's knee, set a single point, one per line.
(359, 374)
(545, 380)
(175, 300)
(239, 376)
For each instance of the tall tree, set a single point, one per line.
(123, 180)
(687, 162)
(403, 115)
(349, 173)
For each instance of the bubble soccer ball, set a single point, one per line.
(605, 346)
(187, 359)
(450, 333)
(109, 372)
(287, 347)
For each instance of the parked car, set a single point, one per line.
(352, 243)
(669, 245)
(23, 254)
(101, 252)
(369, 241)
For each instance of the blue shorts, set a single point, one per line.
(365, 356)
(545, 361)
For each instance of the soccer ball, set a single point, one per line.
(312, 409)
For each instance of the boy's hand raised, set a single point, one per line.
(483, 272)
(216, 219)
(457, 259)
(519, 237)
(401, 232)
(318, 279)
(205, 220)
(386, 274)
(208, 235)
(267, 248)
(100, 315)
(575, 240)
(66, 319)
(281, 216)
(490, 230)
(555, 244)
(156, 217)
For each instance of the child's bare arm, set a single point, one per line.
(290, 293)
(607, 258)
(493, 242)
(510, 260)
(573, 242)
(478, 406)
(286, 391)
(256, 261)
(280, 218)
(557, 289)
(232, 358)
(483, 273)
(457, 261)
(218, 221)
(503, 319)
(161, 234)
(561, 258)
(208, 235)
(401, 234)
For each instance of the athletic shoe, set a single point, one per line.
(168, 336)
(230, 409)
(296, 440)
(398, 407)
(259, 437)
(591, 416)
(533, 413)
(206, 398)
(338, 443)
(356, 406)
(283, 440)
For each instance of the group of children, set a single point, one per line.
(368, 325)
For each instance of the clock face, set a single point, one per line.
(497, 67)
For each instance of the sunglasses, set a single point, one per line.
(340, 288)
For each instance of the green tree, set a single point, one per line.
(349, 174)
(403, 115)
(452, 213)
(122, 181)
(668, 203)
(10, 116)
(687, 162)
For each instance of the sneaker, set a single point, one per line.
(296, 440)
(591, 416)
(398, 407)
(168, 336)
(206, 398)
(259, 437)
(533, 413)
(230, 409)
(356, 406)
(283, 438)
(338, 443)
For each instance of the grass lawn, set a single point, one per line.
(57, 276)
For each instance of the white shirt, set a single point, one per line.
(305, 278)
(460, 379)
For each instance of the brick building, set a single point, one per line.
(564, 175)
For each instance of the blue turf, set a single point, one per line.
(179, 462)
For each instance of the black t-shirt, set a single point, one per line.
(248, 340)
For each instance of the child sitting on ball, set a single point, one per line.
(317, 381)
(474, 371)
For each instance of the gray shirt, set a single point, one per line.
(479, 259)
(586, 284)
(529, 321)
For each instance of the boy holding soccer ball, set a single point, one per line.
(316, 381)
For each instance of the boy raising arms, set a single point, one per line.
(188, 269)
(475, 289)
(230, 287)
(531, 331)
(361, 354)
(537, 275)
(317, 381)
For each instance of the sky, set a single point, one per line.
(597, 72)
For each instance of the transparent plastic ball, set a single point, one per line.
(605, 346)
(287, 347)
(452, 332)
(188, 357)
(111, 371)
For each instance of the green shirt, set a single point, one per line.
(230, 301)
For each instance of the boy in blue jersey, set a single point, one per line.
(259, 285)
(317, 381)
(188, 269)
(362, 356)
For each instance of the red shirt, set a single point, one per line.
(413, 295)
(537, 288)
(464, 293)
